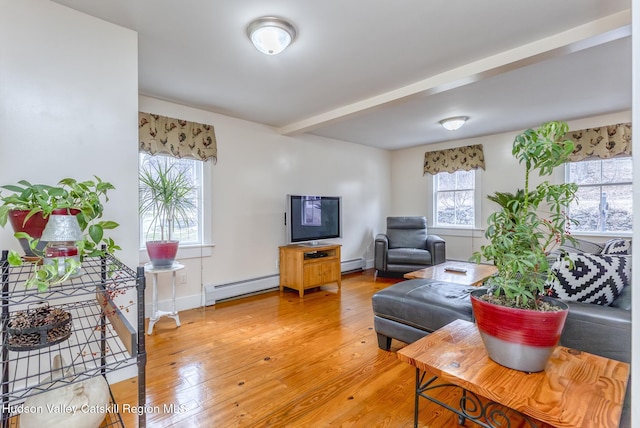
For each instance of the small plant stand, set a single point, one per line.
(157, 314)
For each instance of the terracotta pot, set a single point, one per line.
(162, 253)
(521, 339)
(33, 227)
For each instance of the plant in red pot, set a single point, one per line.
(519, 326)
(167, 203)
(24, 210)
(81, 199)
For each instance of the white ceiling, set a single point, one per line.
(383, 73)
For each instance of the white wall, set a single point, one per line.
(68, 103)
(68, 108)
(411, 190)
(256, 169)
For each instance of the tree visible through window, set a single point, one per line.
(454, 198)
(191, 233)
(604, 198)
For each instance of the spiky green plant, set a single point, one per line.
(167, 194)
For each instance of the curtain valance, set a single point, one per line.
(604, 142)
(451, 160)
(176, 137)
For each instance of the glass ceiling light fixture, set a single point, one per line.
(271, 35)
(453, 123)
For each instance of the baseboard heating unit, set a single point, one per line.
(214, 292)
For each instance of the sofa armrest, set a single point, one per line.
(600, 330)
(437, 248)
(381, 246)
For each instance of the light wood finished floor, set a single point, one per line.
(274, 360)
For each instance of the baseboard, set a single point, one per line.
(182, 304)
(256, 285)
(215, 292)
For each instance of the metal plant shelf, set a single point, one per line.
(102, 339)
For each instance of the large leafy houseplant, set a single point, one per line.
(531, 222)
(84, 199)
(167, 199)
(518, 325)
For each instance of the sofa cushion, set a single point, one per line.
(618, 246)
(581, 246)
(407, 232)
(594, 278)
(408, 256)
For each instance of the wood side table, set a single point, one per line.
(576, 389)
(156, 313)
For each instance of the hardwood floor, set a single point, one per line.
(274, 360)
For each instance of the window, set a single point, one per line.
(193, 234)
(454, 198)
(604, 199)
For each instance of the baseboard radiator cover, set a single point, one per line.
(215, 292)
(354, 265)
(229, 290)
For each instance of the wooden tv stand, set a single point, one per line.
(309, 266)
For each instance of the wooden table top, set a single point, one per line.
(475, 273)
(576, 389)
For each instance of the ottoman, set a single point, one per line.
(411, 309)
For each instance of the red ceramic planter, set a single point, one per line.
(520, 339)
(33, 226)
(162, 253)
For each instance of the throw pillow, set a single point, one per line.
(595, 278)
(582, 246)
(617, 246)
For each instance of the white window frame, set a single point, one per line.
(477, 205)
(203, 247)
(567, 179)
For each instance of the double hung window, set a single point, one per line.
(604, 198)
(188, 234)
(454, 198)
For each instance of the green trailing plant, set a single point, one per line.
(531, 222)
(167, 196)
(87, 198)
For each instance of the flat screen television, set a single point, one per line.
(312, 218)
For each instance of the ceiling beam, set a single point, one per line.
(604, 30)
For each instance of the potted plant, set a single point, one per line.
(167, 201)
(33, 204)
(519, 326)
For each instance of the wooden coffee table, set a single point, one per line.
(576, 389)
(475, 273)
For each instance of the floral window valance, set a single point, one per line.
(451, 160)
(176, 137)
(604, 142)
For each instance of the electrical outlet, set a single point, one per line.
(183, 278)
(277, 264)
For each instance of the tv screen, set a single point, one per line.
(310, 218)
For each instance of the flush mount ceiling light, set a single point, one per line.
(453, 123)
(271, 35)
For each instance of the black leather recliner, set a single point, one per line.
(407, 246)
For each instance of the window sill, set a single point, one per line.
(457, 231)
(184, 252)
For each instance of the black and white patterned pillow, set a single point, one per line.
(595, 278)
(617, 246)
